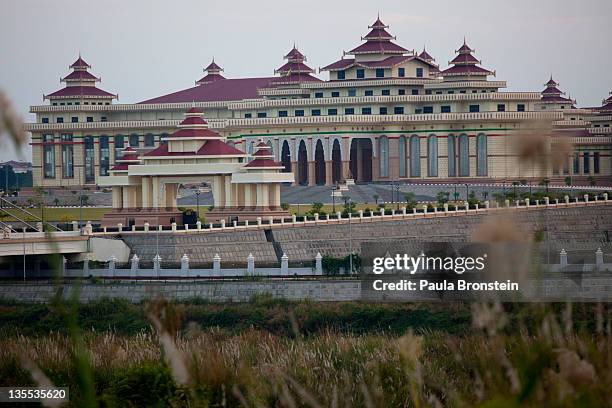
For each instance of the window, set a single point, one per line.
(67, 156)
(149, 140)
(299, 112)
(118, 146)
(383, 144)
(48, 156)
(445, 109)
(366, 111)
(576, 163)
(341, 75)
(474, 108)
(382, 110)
(88, 144)
(45, 120)
(427, 109)
(282, 114)
(104, 155)
(90, 119)
(452, 154)
(349, 111)
(428, 92)
(419, 72)
(596, 162)
(315, 112)
(74, 119)
(59, 120)
(103, 119)
(332, 111)
(318, 94)
(451, 92)
(385, 92)
(415, 156)
(369, 92)
(380, 72)
(360, 73)
(464, 156)
(262, 114)
(586, 163)
(398, 110)
(401, 72)
(418, 111)
(352, 92)
(481, 155)
(415, 92)
(134, 141)
(248, 116)
(402, 156)
(432, 156)
(520, 107)
(335, 94)
(401, 92)
(501, 107)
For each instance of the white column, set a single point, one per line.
(248, 196)
(126, 197)
(146, 192)
(276, 197)
(217, 192)
(155, 192)
(117, 198)
(228, 191)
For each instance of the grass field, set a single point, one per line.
(283, 354)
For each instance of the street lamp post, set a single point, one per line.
(467, 191)
(397, 191)
(350, 237)
(197, 194)
(333, 194)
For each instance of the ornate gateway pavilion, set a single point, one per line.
(386, 113)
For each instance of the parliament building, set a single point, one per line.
(385, 113)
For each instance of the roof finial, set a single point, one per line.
(464, 41)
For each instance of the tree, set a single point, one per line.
(285, 206)
(349, 206)
(84, 199)
(375, 197)
(568, 180)
(485, 194)
(56, 202)
(456, 195)
(316, 209)
(442, 197)
(410, 199)
(592, 181)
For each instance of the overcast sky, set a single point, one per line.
(146, 48)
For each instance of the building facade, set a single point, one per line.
(386, 113)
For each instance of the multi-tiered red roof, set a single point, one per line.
(425, 56)
(129, 156)
(213, 73)
(378, 41)
(194, 127)
(552, 94)
(294, 70)
(263, 158)
(465, 64)
(80, 83)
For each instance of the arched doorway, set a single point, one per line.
(319, 164)
(286, 157)
(361, 159)
(336, 157)
(302, 164)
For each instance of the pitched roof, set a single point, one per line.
(213, 66)
(213, 147)
(425, 55)
(340, 64)
(82, 91)
(378, 46)
(466, 70)
(80, 76)
(221, 90)
(80, 63)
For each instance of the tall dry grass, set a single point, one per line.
(548, 363)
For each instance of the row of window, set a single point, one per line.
(387, 92)
(383, 110)
(73, 119)
(379, 73)
(458, 154)
(78, 103)
(67, 152)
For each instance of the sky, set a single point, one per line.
(146, 48)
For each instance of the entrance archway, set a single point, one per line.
(302, 164)
(319, 164)
(361, 159)
(336, 157)
(286, 157)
